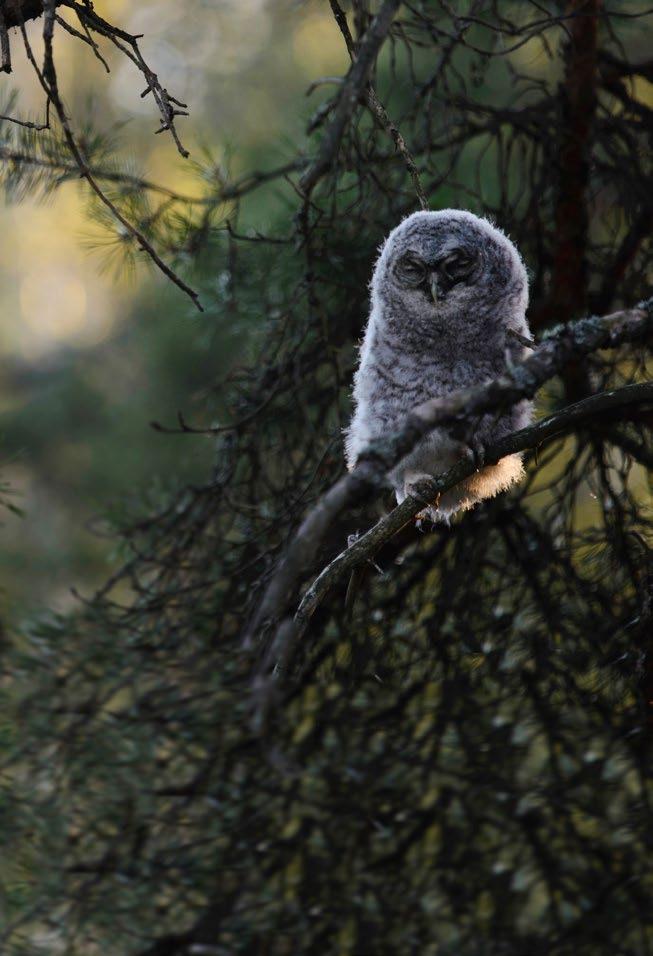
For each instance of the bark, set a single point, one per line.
(19, 11)
(568, 288)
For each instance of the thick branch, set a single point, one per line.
(568, 287)
(612, 65)
(565, 420)
(18, 11)
(563, 345)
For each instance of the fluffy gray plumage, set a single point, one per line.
(446, 289)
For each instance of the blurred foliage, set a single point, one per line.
(461, 765)
(86, 338)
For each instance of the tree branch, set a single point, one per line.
(16, 12)
(227, 191)
(48, 80)
(350, 92)
(559, 423)
(563, 345)
(568, 285)
(379, 111)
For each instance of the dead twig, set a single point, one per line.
(349, 94)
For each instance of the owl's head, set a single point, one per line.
(447, 264)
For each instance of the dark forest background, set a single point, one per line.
(449, 751)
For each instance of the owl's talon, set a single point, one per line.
(478, 451)
(474, 452)
(421, 491)
(429, 514)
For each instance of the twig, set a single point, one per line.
(49, 81)
(228, 191)
(626, 252)
(128, 45)
(26, 124)
(85, 38)
(341, 19)
(350, 93)
(379, 111)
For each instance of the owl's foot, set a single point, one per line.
(421, 489)
(474, 451)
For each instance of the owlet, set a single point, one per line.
(447, 290)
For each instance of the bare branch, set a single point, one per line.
(49, 82)
(17, 12)
(5, 51)
(565, 344)
(349, 94)
(561, 422)
(379, 111)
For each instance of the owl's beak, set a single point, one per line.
(433, 286)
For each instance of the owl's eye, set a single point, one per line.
(411, 270)
(458, 265)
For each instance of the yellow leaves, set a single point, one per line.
(310, 704)
(429, 702)
(432, 840)
(485, 905)
(292, 877)
(535, 903)
(343, 653)
(291, 828)
(476, 661)
(588, 827)
(347, 937)
(642, 91)
(429, 799)
(424, 726)
(303, 729)
(432, 693)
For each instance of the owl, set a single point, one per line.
(448, 291)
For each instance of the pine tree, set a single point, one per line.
(453, 756)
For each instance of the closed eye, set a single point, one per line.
(411, 270)
(458, 265)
